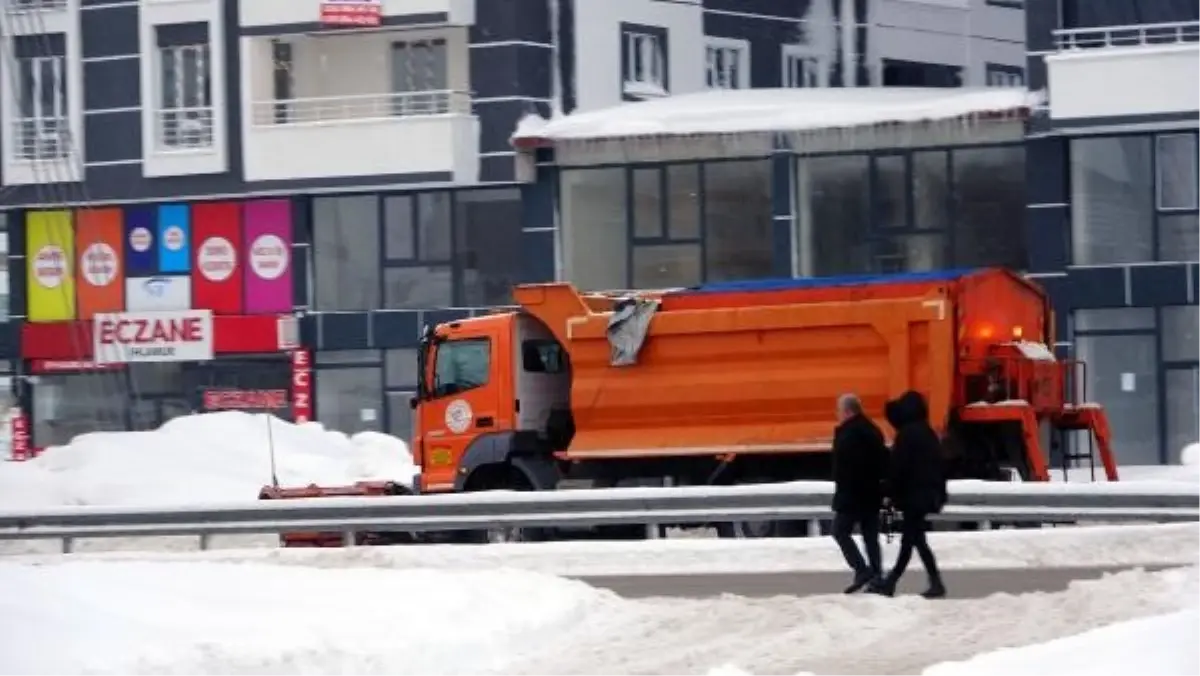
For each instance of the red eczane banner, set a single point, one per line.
(363, 13)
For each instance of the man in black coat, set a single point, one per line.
(860, 465)
(916, 486)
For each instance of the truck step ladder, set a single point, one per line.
(1092, 419)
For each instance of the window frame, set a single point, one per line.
(1003, 75)
(180, 106)
(647, 41)
(790, 56)
(32, 118)
(1158, 165)
(715, 47)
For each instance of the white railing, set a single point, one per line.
(12, 6)
(970, 501)
(1139, 35)
(41, 138)
(184, 128)
(359, 107)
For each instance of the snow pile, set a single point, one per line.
(123, 618)
(1163, 644)
(1190, 455)
(778, 110)
(206, 458)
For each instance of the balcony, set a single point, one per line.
(373, 104)
(262, 14)
(1141, 71)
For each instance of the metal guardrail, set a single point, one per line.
(1136, 35)
(973, 501)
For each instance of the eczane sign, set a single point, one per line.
(120, 338)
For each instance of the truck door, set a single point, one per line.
(462, 403)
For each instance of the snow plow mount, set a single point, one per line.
(334, 539)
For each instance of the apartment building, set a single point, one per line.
(327, 176)
(1112, 214)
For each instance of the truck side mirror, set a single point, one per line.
(412, 402)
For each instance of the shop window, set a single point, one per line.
(65, 406)
(647, 204)
(1178, 237)
(683, 201)
(931, 190)
(346, 250)
(666, 266)
(339, 357)
(1122, 375)
(417, 287)
(348, 399)
(738, 237)
(832, 215)
(891, 192)
(1176, 175)
(462, 365)
(400, 368)
(989, 207)
(489, 251)
(1114, 319)
(400, 415)
(399, 235)
(434, 226)
(594, 229)
(1181, 333)
(1112, 200)
(1183, 405)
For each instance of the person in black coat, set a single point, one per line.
(916, 487)
(860, 465)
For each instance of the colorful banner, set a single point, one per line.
(49, 251)
(174, 240)
(268, 256)
(141, 232)
(216, 246)
(98, 239)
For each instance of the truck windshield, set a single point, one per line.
(461, 365)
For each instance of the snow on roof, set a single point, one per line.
(775, 110)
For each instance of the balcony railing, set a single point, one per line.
(1128, 36)
(41, 138)
(359, 107)
(34, 5)
(184, 128)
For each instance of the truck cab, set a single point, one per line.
(487, 385)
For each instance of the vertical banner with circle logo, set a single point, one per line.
(216, 251)
(50, 276)
(100, 282)
(174, 241)
(268, 256)
(141, 232)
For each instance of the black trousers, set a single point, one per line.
(912, 536)
(868, 524)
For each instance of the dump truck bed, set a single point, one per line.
(757, 367)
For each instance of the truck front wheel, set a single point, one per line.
(500, 477)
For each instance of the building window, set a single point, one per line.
(1112, 200)
(1176, 176)
(644, 62)
(1000, 75)
(898, 73)
(419, 78)
(283, 83)
(4, 290)
(417, 245)
(727, 63)
(345, 249)
(185, 119)
(803, 69)
(1007, 4)
(42, 132)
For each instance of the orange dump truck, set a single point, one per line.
(737, 382)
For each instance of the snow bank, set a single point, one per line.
(207, 458)
(1164, 644)
(1190, 455)
(136, 617)
(777, 110)
(124, 618)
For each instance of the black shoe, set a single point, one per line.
(860, 581)
(882, 587)
(936, 591)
